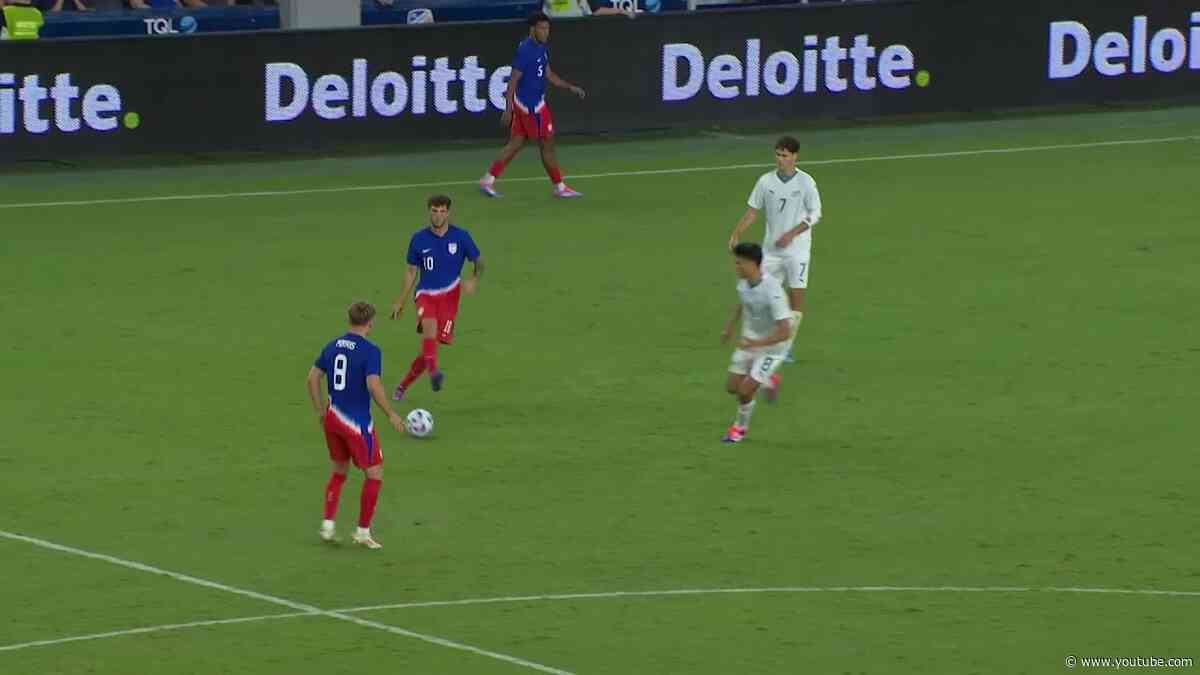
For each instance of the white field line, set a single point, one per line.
(618, 594)
(302, 608)
(776, 589)
(611, 174)
(153, 629)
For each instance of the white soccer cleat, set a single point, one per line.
(488, 188)
(328, 531)
(566, 193)
(363, 538)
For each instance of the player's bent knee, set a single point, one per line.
(375, 472)
(733, 383)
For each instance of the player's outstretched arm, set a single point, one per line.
(380, 397)
(563, 84)
(410, 280)
(314, 392)
(746, 221)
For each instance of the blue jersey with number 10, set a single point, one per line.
(347, 362)
(441, 259)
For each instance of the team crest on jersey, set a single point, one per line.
(453, 246)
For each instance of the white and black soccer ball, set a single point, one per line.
(419, 423)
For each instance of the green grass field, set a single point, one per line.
(996, 389)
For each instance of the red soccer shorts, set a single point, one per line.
(532, 124)
(442, 308)
(347, 443)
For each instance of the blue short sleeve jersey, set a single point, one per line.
(441, 259)
(533, 60)
(347, 361)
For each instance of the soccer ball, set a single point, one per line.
(419, 423)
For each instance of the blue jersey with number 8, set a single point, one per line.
(441, 259)
(347, 362)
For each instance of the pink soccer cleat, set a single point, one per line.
(772, 389)
(398, 395)
(488, 189)
(566, 193)
(735, 434)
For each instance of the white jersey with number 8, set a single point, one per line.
(763, 305)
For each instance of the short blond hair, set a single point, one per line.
(361, 313)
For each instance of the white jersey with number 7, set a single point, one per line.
(786, 204)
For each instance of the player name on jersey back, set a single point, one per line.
(347, 362)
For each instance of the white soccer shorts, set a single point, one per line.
(791, 269)
(759, 366)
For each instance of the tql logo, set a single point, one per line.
(167, 25)
(26, 104)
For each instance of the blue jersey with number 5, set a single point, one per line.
(441, 259)
(533, 59)
(347, 362)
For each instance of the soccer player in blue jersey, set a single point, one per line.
(436, 256)
(352, 366)
(526, 114)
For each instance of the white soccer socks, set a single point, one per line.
(744, 411)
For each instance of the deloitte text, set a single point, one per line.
(290, 91)
(820, 68)
(1113, 54)
(30, 106)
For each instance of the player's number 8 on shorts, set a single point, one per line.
(766, 365)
